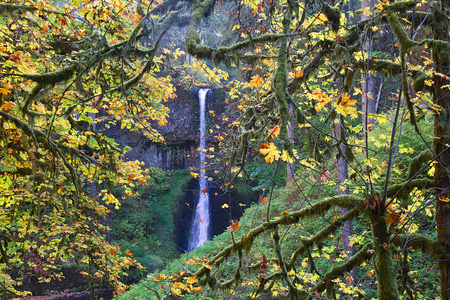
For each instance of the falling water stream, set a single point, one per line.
(200, 225)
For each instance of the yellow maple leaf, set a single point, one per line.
(320, 19)
(287, 157)
(194, 174)
(270, 151)
(444, 199)
(346, 106)
(191, 280)
(256, 81)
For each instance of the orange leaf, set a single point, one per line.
(274, 132)
(8, 106)
(392, 217)
(128, 252)
(263, 200)
(299, 74)
(204, 191)
(201, 221)
(234, 225)
(256, 81)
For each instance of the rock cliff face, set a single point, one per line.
(181, 133)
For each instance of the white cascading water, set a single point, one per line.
(200, 225)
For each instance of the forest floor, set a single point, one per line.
(67, 295)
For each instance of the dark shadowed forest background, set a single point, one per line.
(201, 149)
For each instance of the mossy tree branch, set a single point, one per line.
(348, 201)
(422, 243)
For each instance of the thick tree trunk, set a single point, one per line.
(341, 177)
(384, 263)
(440, 145)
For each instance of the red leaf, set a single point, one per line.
(263, 263)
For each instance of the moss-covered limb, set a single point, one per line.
(270, 278)
(402, 190)
(280, 80)
(405, 45)
(237, 273)
(390, 68)
(41, 135)
(293, 292)
(6, 9)
(51, 78)
(132, 81)
(193, 45)
(416, 165)
(322, 235)
(419, 17)
(437, 45)
(348, 201)
(172, 18)
(31, 96)
(222, 54)
(420, 242)
(361, 256)
(401, 6)
(313, 65)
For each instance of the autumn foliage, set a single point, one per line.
(69, 74)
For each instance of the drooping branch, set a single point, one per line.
(41, 135)
(348, 201)
(426, 245)
(403, 189)
(417, 163)
(277, 248)
(361, 256)
(322, 235)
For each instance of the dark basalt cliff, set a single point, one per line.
(181, 134)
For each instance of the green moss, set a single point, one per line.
(403, 189)
(401, 6)
(417, 163)
(52, 78)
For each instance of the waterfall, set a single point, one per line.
(200, 224)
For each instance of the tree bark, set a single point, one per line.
(384, 263)
(341, 177)
(367, 79)
(441, 143)
(291, 166)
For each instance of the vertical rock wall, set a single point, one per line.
(181, 134)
